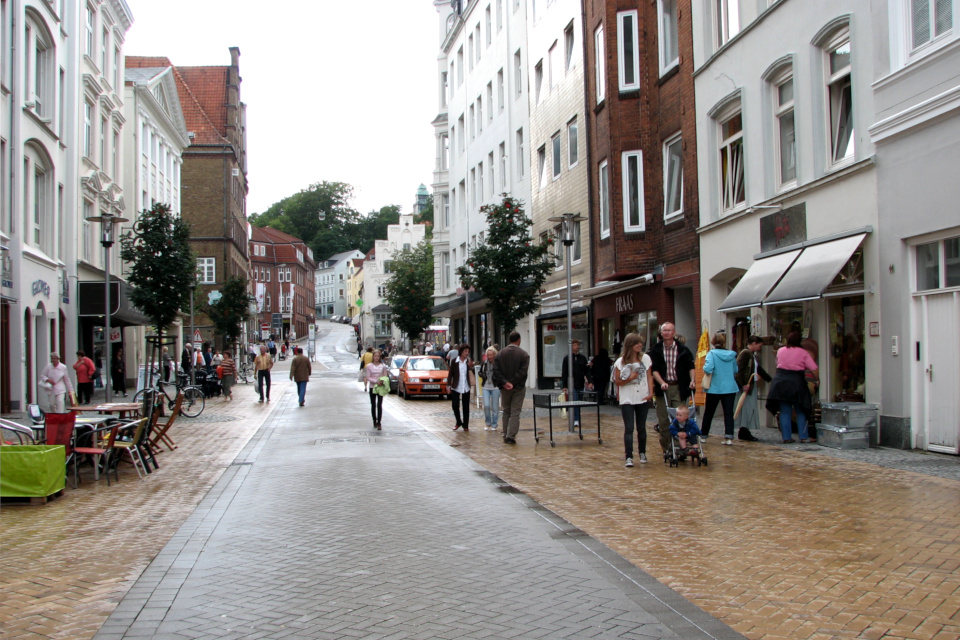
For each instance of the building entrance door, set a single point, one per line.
(941, 371)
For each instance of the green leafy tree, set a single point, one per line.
(232, 309)
(508, 268)
(426, 217)
(410, 288)
(161, 266)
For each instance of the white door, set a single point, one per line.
(941, 371)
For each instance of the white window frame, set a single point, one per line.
(500, 91)
(628, 158)
(600, 75)
(556, 147)
(934, 40)
(207, 270)
(726, 149)
(518, 72)
(573, 143)
(520, 163)
(727, 14)
(489, 26)
(542, 166)
(538, 82)
(89, 24)
(835, 93)
(672, 179)
(87, 128)
(668, 30)
(569, 51)
(504, 170)
(603, 187)
(554, 65)
(780, 111)
(625, 57)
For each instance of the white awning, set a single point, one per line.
(757, 282)
(607, 288)
(814, 270)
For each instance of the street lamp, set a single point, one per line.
(193, 360)
(569, 223)
(107, 220)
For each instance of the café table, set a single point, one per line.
(123, 410)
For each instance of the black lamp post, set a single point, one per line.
(193, 360)
(107, 220)
(569, 222)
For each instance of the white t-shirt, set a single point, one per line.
(635, 392)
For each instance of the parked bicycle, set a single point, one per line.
(193, 398)
(246, 372)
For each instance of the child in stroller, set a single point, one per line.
(686, 439)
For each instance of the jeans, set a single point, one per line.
(629, 413)
(575, 394)
(491, 406)
(726, 400)
(786, 427)
(376, 407)
(302, 390)
(459, 399)
(263, 377)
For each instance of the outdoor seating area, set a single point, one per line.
(108, 441)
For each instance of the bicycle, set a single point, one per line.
(193, 398)
(246, 372)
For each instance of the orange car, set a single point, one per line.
(424, 376)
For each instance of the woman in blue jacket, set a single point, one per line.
(721, 363)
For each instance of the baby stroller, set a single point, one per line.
(694, 449)
(209, 383)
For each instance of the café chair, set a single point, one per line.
(103, 454)
(161, 428)
(13, 433)
(134, 447)
(60, 431)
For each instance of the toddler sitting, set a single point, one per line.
(684, 428)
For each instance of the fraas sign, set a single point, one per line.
(624, 303)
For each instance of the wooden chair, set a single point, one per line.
(160, 429)
(133, 447)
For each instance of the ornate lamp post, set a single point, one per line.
(107, 220)
(569, 223)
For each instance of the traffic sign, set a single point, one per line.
(197, 337)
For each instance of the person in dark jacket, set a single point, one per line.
(510, 375)
(581, 377)
(749, 375)
(673, 377)
(600, 373)
(118, 373)
(461, 382)
(186, 359)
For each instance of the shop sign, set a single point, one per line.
(40, 286)
(624, 303)
(783, 228)
(577, 326)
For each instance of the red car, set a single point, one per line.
(424, 376)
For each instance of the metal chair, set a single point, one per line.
(133, 447)
(104, 453)
(23, 435)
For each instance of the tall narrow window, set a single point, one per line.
(557, 155)
(518, 73)
(542, 166)
(841, 101)
(499, 15)
(731, 161)
(460, 66)
(628, 51)
(553, 57)
(88, 31)
(573, 144)
(786, 131)
(87, 129)
(520, 155)
(603, 182)
(490, 168)
(480, 191)
(728, 20)
(500, 91)
(104, 39)
(669, 48)
(600, 74)
(503, 166)
(117, 66)
(633, 218)
(470, 51)
(473, 122)
(115, 155)
(490, 101)
(103, 143)
(673, 177)
(930, 19)
(568, 44)
(476, 34)
(489, 26)
(538, 81)
(444, 88)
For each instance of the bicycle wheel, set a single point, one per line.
(193, 402)
(138, 396)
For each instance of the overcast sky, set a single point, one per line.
(336, 90)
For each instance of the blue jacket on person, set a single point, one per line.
(722, 363)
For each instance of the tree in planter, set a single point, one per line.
(409, 291)
(161, 267)
(508, 268)
(230, 311)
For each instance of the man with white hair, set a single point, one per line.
(55, 380)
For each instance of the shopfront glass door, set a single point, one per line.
(847, 357)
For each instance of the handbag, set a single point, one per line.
(707, 379)
(361, 376)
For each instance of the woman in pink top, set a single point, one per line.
(372, 373)
(789, 391)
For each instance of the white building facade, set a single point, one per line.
(331, 283)
(483, 143)
(788, 181)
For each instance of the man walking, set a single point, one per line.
(263, 364)
(461, 381)
(510, 376)
(300, 371)
(186, 359)
(673, 376)
(580, 377)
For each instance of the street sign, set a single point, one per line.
(265, 326)
(197, 336)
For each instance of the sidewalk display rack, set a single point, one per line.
(551, 401)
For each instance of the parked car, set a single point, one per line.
(345, 320)
(334, 318)
(394, 371)
(424, 376)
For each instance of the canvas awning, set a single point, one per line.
(814, 270)
(757, 282)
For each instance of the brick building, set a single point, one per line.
(214, 174)
(643, 168)
(282, 271)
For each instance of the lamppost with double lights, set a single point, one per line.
(107, 221)
(568, 225)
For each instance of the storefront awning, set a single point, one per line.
(92, 303)
(757, 282)
(814, 270)
(608, 288)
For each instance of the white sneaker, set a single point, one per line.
(576, 423)
(643, 458)
(728, 441)
(630, 462)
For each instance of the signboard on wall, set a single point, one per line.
(783, 228)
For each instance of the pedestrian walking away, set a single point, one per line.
(510, 376)
(461, 382)
(372, 374)
(633, 377)
(55, 381)
(300, 370)
(749, 374)
(166, 363)
(272, 347)
(86, 372)
(365, 359)
(600, 374)
(262, 366)
(118, 373)
(789, 392)
(673, 374)
(186, 359)
(581, 377)
(721, 366)
(228, 368)
(491, 394)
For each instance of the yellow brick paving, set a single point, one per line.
(779, 544)
(64, 566)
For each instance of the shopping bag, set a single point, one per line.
(562, 398)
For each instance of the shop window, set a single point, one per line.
(847, 367)
(645, 324)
